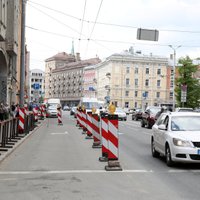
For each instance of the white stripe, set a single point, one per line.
(90, 129)
(104, 126)
(21, 113)
(113, 148)
(105, 142)
(21, 124)
(95, 122)
(113, 129)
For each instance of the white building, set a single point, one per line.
(36, 85)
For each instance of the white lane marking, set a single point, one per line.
(119, 133)
(92, 171)
(60, 133)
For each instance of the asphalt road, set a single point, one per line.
(58, 163)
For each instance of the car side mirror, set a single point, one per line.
(162, 127)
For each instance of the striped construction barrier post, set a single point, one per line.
(104, 136)
(96, 131)
(35, 113)
(78, 117)
(113, 144)
(21, 120)
(84, 121)
(89, 125)
(59, 114)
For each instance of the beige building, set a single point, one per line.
(134, 80)
(64, 77)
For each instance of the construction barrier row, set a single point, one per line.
(103, 129)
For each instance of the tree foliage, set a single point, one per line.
(186, 72)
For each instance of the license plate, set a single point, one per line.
(198, 151)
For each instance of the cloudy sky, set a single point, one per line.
(103, 27)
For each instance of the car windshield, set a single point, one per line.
(119, 110)
(155, 110)
(52, 107)
(185, 123)
(90, 105)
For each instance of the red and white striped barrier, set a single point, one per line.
(21, 120)
(26, 108)
(113, 144)
(78, 117)
(35, 113)
(104, 136)
(89, 125)
(59, 113)
(96, 131)
(84, 122)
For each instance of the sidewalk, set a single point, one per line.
(7, 151)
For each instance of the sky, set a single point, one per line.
(104, 27)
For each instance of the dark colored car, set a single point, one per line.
(149, 116)
(137, 114)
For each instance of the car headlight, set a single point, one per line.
(181, 143)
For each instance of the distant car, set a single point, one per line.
(73, 110)
(66, 108)
(184, 110)
(176, 136)
(121, 114)
(131, 110)
(126, 110)
(137, 114)
(52, 110)
(149, 116)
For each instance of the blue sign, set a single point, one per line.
(36, 86)
(91, 88)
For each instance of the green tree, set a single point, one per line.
(186, 71)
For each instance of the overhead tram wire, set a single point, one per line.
(111, 24)
(94, 25)
(82, 25)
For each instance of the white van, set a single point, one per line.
(89, 103)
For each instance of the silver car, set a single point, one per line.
(176, 135)
(52, 111)
(121, 114)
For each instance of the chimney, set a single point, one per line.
(78, 57)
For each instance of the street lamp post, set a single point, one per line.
(174, 72)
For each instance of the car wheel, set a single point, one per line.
(154, 153)
(136, 119)
(142, 123)
(169, 161)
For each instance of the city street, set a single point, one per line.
(58, 163)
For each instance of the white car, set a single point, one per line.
(176, 135)
(121, 114)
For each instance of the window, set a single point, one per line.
(158, 83)
(136, 93)
(126, 104)
(157, 94)
(136, 82)
(171, 83)
(146, 94)
(127, 93)
(127, 70)
(147, 70)
(147, 82)
(135, 104)
(159, 71)
(171, 94)
(136, 70)
(127, 81)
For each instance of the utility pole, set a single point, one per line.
(22, 61)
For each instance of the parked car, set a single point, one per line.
(121, 114)
(176, 136)
(73, 110)
(137, 114)
(184, 110)
(149, 116)
(52, 110)
(66, 108)
(126, 110)
(131, 110)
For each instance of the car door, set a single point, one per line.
(158, 133)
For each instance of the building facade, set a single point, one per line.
(10, 50)
(133, 80)
(36, 86)
(64, 77)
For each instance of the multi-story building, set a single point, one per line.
(134, 80)
(10, 49)
(36, 85)
(64, 77)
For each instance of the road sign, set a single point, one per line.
(36, 86)
(147, 34)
